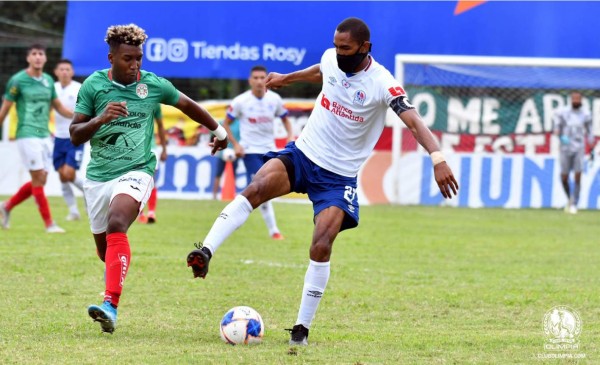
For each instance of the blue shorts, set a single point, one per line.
(324, 188)
(66, 153)
(253, 163)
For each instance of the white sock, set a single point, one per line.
(69, 198)
(315, 282)
(230, 219)
(266, 209)
(78, 182)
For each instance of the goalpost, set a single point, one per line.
(482, 98)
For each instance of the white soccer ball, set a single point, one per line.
(242, 325)
(228, 154)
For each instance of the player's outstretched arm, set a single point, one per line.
(61, 109)
(6, 104)
(443, 174)
(83, 126)
(162, 137)
(200, 115)
(310, 74)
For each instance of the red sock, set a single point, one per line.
(23, 193)
(42, 203)
(152, 201)
(118, 256)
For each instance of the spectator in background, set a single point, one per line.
(175, 134)
(67, 157)
(162, 157)
(573, 126)
(32, 90)
(257, 109)
(201, 136)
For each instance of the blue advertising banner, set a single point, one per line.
(224, 39)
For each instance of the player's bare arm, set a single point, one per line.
(162, 138)
(237, 147)
(289, 128)
(84, 126)
(200, 115)
(443, 174)
(310, 74)
(61, 109)
(6, 104)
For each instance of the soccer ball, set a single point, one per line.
(228, 154)
(242, 325)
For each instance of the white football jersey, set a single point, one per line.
(68, 97)
(256, 118)
(349, 115)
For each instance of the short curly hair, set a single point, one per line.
(129, 34)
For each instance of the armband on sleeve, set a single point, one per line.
(401, 104)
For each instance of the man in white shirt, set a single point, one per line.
(256, 110)
(341, 132)
(66, 157)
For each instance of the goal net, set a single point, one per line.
(495, 116)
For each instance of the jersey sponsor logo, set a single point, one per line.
(359, 97)
(110, 141)
(260, 119)
(14, 91)
(340, 110)
(397, 91)
(332, 81)
(142, 91)
(126, 124)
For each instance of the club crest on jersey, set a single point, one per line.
(359, 97)
(45, 83)
(345, 83)
(142, 91)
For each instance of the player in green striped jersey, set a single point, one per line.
(32, 90)
(114, 111)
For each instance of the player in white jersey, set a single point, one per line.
(67, 157)
(341, 132)
(572, 124)
(256, 110)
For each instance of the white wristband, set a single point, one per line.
(437, 157)
(220, 133)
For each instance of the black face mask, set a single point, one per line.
(349, 63)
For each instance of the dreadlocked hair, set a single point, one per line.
(129, 34)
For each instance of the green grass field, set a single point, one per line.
(411, 285)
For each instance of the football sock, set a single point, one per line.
(576, 194)
(69, 197)
(118, 254)
(230, 219)
(78, 182)
(152, 201)
(23, 193)
(268, 213)
(315, 282)
(42, 203)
